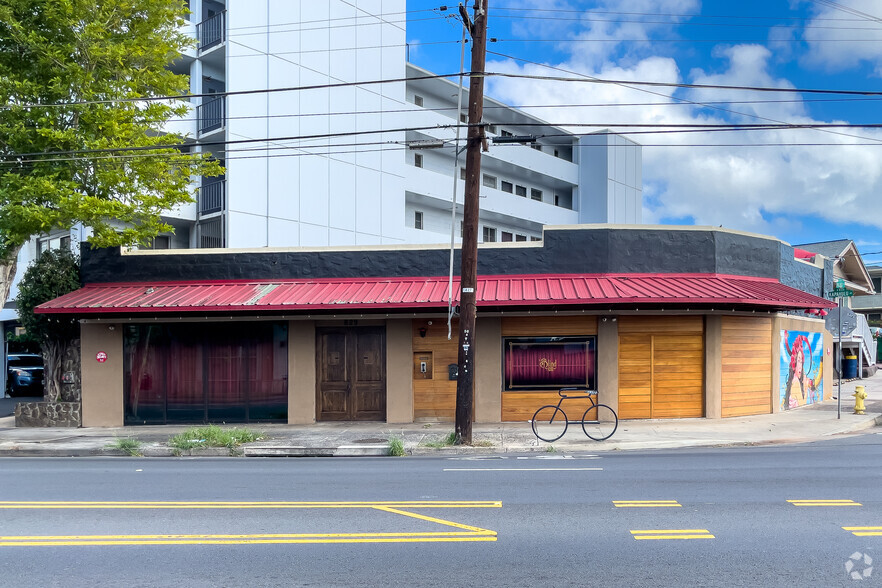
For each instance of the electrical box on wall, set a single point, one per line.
(422, 365)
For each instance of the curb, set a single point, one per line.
(373, 450)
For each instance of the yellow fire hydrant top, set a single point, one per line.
(859, 396)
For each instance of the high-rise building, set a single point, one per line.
(314, 158)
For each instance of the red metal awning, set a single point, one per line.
(423, 293)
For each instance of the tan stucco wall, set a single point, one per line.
(301, 372)
(488, 370)
(103, 392)
(399, 378)
(608, 362)
(811, 325)
(713, 367)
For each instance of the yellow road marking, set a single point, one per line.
(865, 531)
(468, 533)
(644, 503)
(824, 502)
(8, 504)
(671, 534)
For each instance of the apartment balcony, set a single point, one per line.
(513, 158)
(435, 189)
(211, 31)
(212, 196)
(211, 115)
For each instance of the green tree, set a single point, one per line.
(78, 80)
(53, 274)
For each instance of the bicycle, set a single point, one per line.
(550, 422)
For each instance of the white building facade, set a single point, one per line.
(312, 159)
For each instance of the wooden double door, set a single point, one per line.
(351, 374)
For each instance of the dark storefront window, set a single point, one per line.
(202, 372)
(538, 363)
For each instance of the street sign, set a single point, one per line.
(842, 293)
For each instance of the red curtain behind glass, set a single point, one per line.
(548, 365)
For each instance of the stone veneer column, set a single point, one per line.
(713, 367)
(103, 382)
(301, 372)
(488, 370)
(608, 362)
(399, 376)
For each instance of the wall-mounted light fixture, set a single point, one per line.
(423, 331)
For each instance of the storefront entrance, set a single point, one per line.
(206, 373)
(351, 374)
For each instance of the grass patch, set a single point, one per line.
(127, 445)
(550, 449)
(211, 436)
(447, 441)
(482, 443)
(396, 446)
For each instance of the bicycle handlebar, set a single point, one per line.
(587, 392)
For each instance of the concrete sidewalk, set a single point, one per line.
(360, 439)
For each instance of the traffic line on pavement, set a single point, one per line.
(462, 533)
(671, 534)
(645, 503)
(865, 531)
(523, 469)
(824, 502)
(8, 504)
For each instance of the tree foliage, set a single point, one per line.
(76, 82)
(55, 273)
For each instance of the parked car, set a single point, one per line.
(24, 374)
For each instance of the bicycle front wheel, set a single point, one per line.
(549, 423)
(600, 422)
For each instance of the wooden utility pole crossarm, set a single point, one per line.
(468, 277)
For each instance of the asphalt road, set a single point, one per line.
(549, 520)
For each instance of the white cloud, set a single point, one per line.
(731, 179)
(839, 40)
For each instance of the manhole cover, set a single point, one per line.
(371, 441)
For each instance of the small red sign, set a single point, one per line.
(101, 357)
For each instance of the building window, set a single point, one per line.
(417, 219)
(417, 100)
(536, 194)
(491, 129)
(505, 133)
(489, 181)
(556, 153)
(461, 228)
(521, 191)
(52, 244)
(537, 363)
(507, 187)
(877, 284)
(556, 200)
(536, 147)
(462, 175)
(520, 237)
(506, 237)
(463, 118)
(535, 239)
(418, 159)
(489, 235)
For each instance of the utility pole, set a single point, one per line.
(465, 383)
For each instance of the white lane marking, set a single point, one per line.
(523, 469)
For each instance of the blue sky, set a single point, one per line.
(797, 185)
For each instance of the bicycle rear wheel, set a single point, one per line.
(549, 423)
(600, 422)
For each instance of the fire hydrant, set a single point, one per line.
(859, 396)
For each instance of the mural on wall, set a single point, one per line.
(801, 368)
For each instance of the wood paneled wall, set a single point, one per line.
(747, 366)
(520, 405)
(435, 398)
(661, 367)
